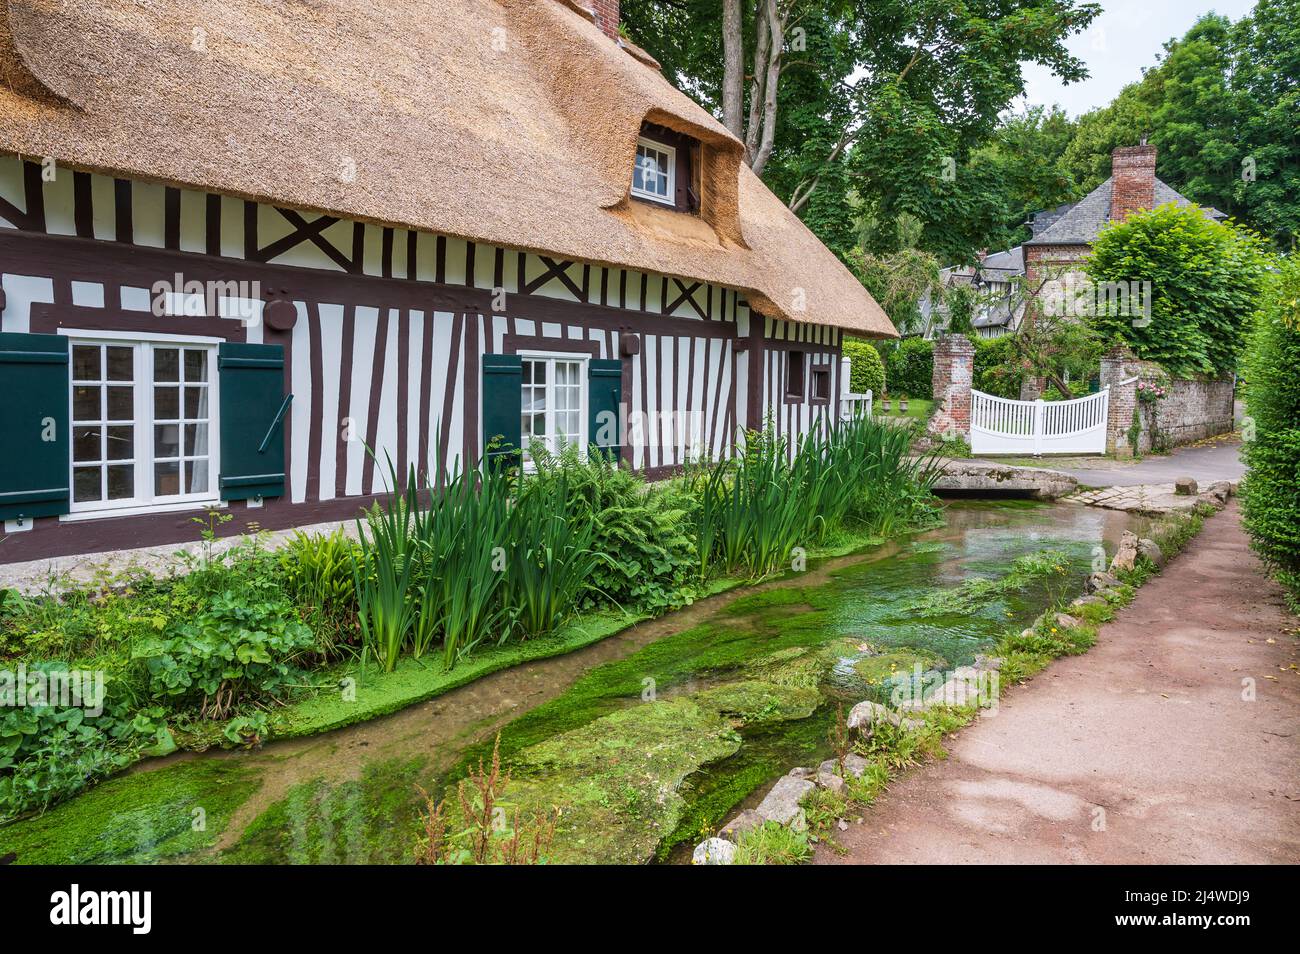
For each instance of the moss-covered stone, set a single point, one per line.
(879, 669)
(753, 702)
(616, 781)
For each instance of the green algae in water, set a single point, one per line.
(140, 817)
(617, 781)
(850, 638)
(371, 820)
(750, 692)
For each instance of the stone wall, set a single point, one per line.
(952, 378)
(1193, 408)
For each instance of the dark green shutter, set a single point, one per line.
(253, 406)
(503, 376)
(35, 461)
(605, 395)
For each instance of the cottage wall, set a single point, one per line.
(388, 333)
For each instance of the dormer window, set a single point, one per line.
(655, 175)
(666, 171)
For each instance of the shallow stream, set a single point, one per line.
(648, 738)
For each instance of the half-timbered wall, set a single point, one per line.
(392, 324)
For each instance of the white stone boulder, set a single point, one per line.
(1099, 582)
(714, 851)
(854, 765)
(745, 821)
(831, 782)
(1150, 550)
(866, 714)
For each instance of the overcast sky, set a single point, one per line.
(1124, 39)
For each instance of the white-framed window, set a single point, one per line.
(553, 404)
(143, 423)
(655, 174)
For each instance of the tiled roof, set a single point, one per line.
(1081, 224)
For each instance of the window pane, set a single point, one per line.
(121, 364)
(85, 363)
(196, 365)
(198, 477)
(166, 479)
(85, 403)
(121, 482)
(196, 403)
(166, 404)
(166, 440)
(196, 440)
(528, 372)
(85, 443)
(121, 443)
(121, 404)
(85, 484)
(166, 364)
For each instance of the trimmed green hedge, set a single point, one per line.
(1205, 283)
(909, 367)
(867, 370)
(1271, 492)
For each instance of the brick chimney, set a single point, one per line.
(1133, 186)
(606, 16)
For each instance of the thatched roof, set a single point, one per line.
(512, 122)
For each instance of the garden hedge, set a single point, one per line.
(909, 367)
(997, 366)
(867, 370)
(1205, 278)
(1271, 492)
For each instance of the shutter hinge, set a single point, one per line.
(279, 416)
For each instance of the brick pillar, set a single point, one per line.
(1119, 365)
(954, 371)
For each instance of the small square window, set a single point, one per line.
(655, 175)
(821, 385)
(794, 385)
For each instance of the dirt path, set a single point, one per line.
(1150, 727)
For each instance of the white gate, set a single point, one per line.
(1003, 426)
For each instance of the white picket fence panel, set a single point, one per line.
(851, 403)
(1006, 426)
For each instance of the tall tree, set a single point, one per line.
(828, 80)
(1026, 157)
(1221, 106)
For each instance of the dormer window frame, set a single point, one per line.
(670, 154)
